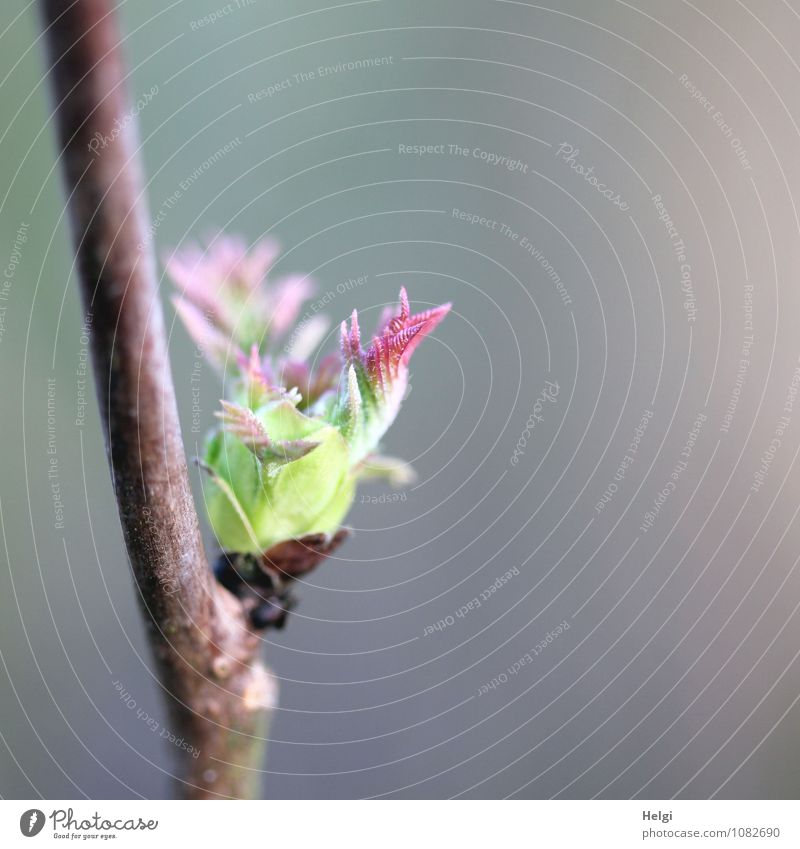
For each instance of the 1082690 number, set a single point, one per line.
(755, 832)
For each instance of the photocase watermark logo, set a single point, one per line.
(65, 825)
(100, 141)
(31, 822)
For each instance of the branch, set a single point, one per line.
(219, 692)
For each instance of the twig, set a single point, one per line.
(218, 690)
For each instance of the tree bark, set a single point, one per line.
(207, 654)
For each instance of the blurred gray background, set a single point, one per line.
(641, 252)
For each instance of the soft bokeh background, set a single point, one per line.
(679, 673)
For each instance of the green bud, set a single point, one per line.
(257, 498)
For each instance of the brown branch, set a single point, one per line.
(219, 692)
